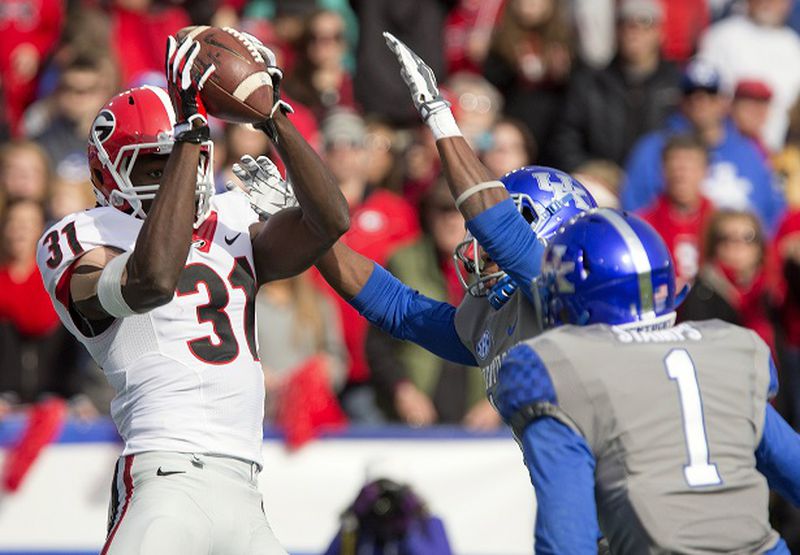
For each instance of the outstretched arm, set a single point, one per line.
(482, 199)
(392, 306)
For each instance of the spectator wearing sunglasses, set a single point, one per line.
(733, 284)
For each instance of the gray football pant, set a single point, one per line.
(166, 503)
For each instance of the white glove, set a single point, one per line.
(419, 78)
(266, 190)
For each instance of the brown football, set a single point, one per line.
(239, 90)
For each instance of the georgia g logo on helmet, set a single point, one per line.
(103, 125)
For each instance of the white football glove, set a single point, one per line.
(266, 190)
(419, 78)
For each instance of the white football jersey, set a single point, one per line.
(186, 374)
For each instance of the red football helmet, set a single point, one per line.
(137, 122)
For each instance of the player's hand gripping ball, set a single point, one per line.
(240, 89)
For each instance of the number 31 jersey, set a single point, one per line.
(186, 374)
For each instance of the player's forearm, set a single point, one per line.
(406, 314)
(345, 270)
(324, 207)
(464, 170)
(164, 240)
(392, 306)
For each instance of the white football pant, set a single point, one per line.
(168, 503)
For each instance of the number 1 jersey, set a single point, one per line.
(673, 418)
(186, 374)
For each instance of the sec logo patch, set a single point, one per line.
(484, 345)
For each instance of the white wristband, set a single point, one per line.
(443, 124)
(477, 189)
(109, 288)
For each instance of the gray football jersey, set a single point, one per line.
(673, 418)
(489, 333)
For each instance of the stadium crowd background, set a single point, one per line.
(685, 111)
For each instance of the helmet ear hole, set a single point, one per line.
(98, 176)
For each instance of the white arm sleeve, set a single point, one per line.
(109, 288)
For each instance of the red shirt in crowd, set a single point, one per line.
(752, 303)
(682, 232)
(684, 22)
(26, 304)
(23, 24)
(140, 38)
(790, 308)
(381, 224)
(467, 18)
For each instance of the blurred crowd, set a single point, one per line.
(685, 111)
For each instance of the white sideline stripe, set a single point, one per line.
(638, 256)
(251, 84)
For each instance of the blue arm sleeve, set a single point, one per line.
(406, 314)
(510, 241)
(777, 456)
(772, 390)
(561, 467)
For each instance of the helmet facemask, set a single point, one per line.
(470, 267)
(470, 263)
(134, 195)
(133, 124)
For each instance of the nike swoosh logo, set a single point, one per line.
(160, 472)
(230, 241)
(512, 328)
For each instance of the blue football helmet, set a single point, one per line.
(607, 266)
(547, 198)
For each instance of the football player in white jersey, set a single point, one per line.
(158, 283)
